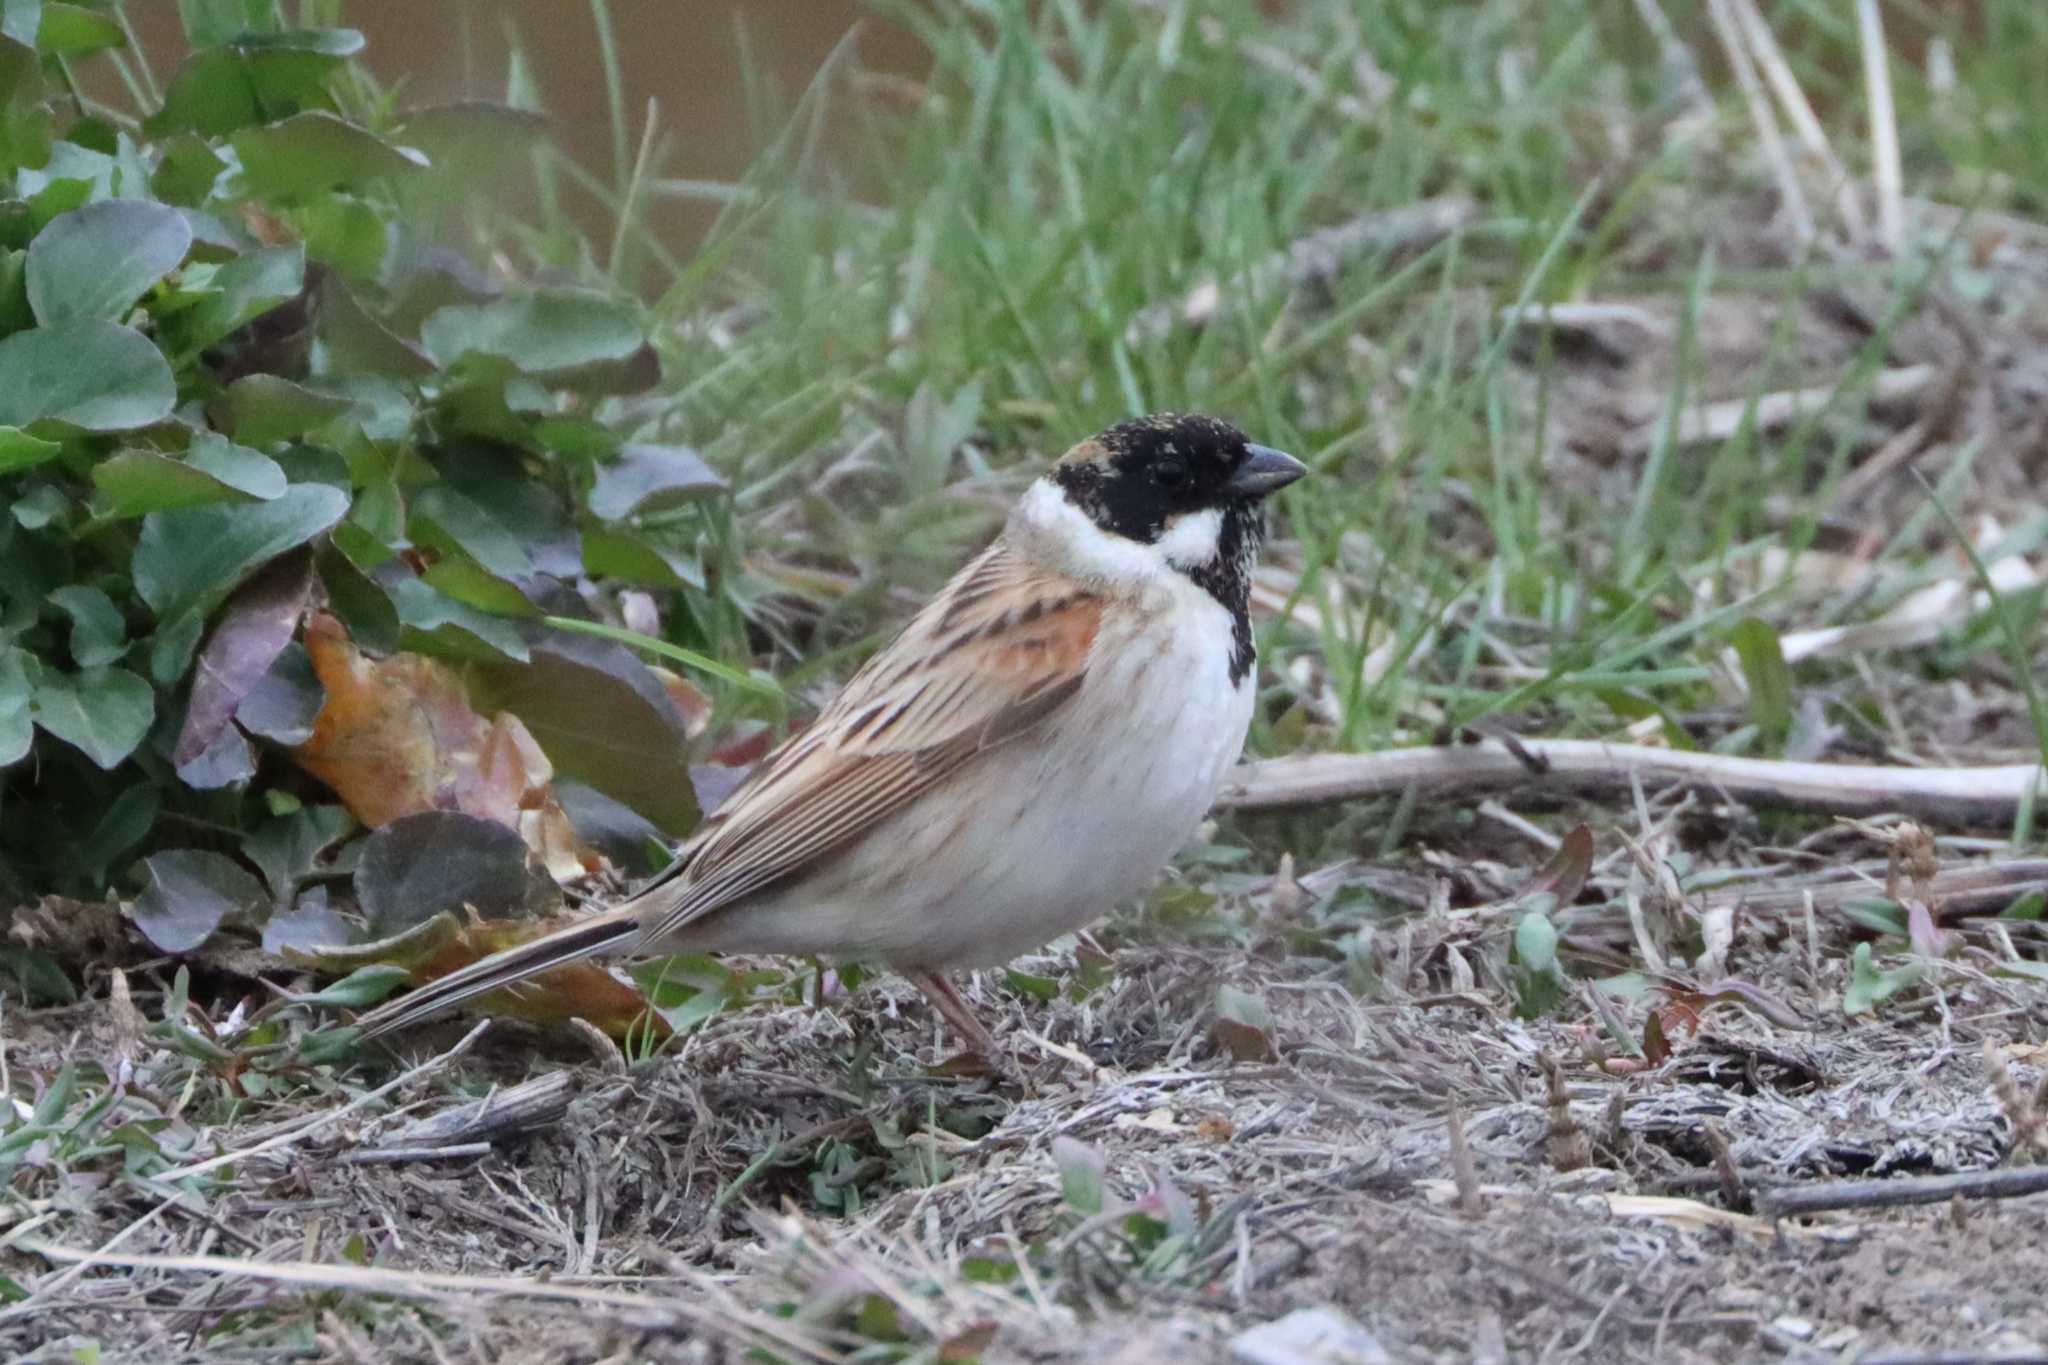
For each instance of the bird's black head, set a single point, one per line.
(1191, 488)
(1138, 478)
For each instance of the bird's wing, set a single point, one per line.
(1002, 647)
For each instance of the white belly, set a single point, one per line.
(1039, 837)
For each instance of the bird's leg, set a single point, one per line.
(956, 1012)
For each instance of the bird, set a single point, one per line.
(1030, 750)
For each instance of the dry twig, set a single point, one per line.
(1793, 1200)
(1946, 796)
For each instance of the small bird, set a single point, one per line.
(1031, 749)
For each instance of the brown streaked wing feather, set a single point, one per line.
(1000, 649)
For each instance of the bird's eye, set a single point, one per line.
(1170, 474)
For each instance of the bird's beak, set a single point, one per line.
(1265, 470)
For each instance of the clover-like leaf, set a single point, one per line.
(105, 712)
(18, 670)
(96, 261)
(192, 558)
(315, 150)
(646, 477)
(547, 333)
(87, 372)
(137, 482)
(98, 634)
(19, 450)
(191, 892)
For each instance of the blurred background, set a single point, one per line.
(718, 69)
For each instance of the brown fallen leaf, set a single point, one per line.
(397, 736)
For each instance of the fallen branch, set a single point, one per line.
(1942, 796)
(1973, 889)
(1789, 1200)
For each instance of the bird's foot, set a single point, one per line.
(967, 1026)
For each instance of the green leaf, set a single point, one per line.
(190, 893)
(1040, 988)
(1539, 985)
(324, 42)
(1535, 942)
(98, 634)
(26, 126)
(71, 176)
(547, 333)
(263, 408)
(187, 169)
(252, 78)
(1884, 916)
(346, 232)
(472, 140)
(448, 521)
(104, 712)
(101, 258)
(353, 596)
(1869, 987)
(435, 860)
(316, 150)
(19, 450)
(1769, 679)
(134, 483)
(631, 557)
(208, 22)
(246, 288)
(1082, 1175)
(358, 342)
(20, 19)
(18, 671)
(186, 561)
(15, 314)
(361, 987)
(435, 623)
(646, 477)
(127, 823)
(72, 30)
(43, 504)
(240, 468)
(89, 373)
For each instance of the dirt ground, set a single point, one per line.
(1325, 1176)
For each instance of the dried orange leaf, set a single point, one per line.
(398, 736)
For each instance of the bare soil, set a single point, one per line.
(1333, 1162)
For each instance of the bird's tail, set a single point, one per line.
(499, 970)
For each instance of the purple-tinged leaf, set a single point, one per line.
(256, 625)
(191, 893)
